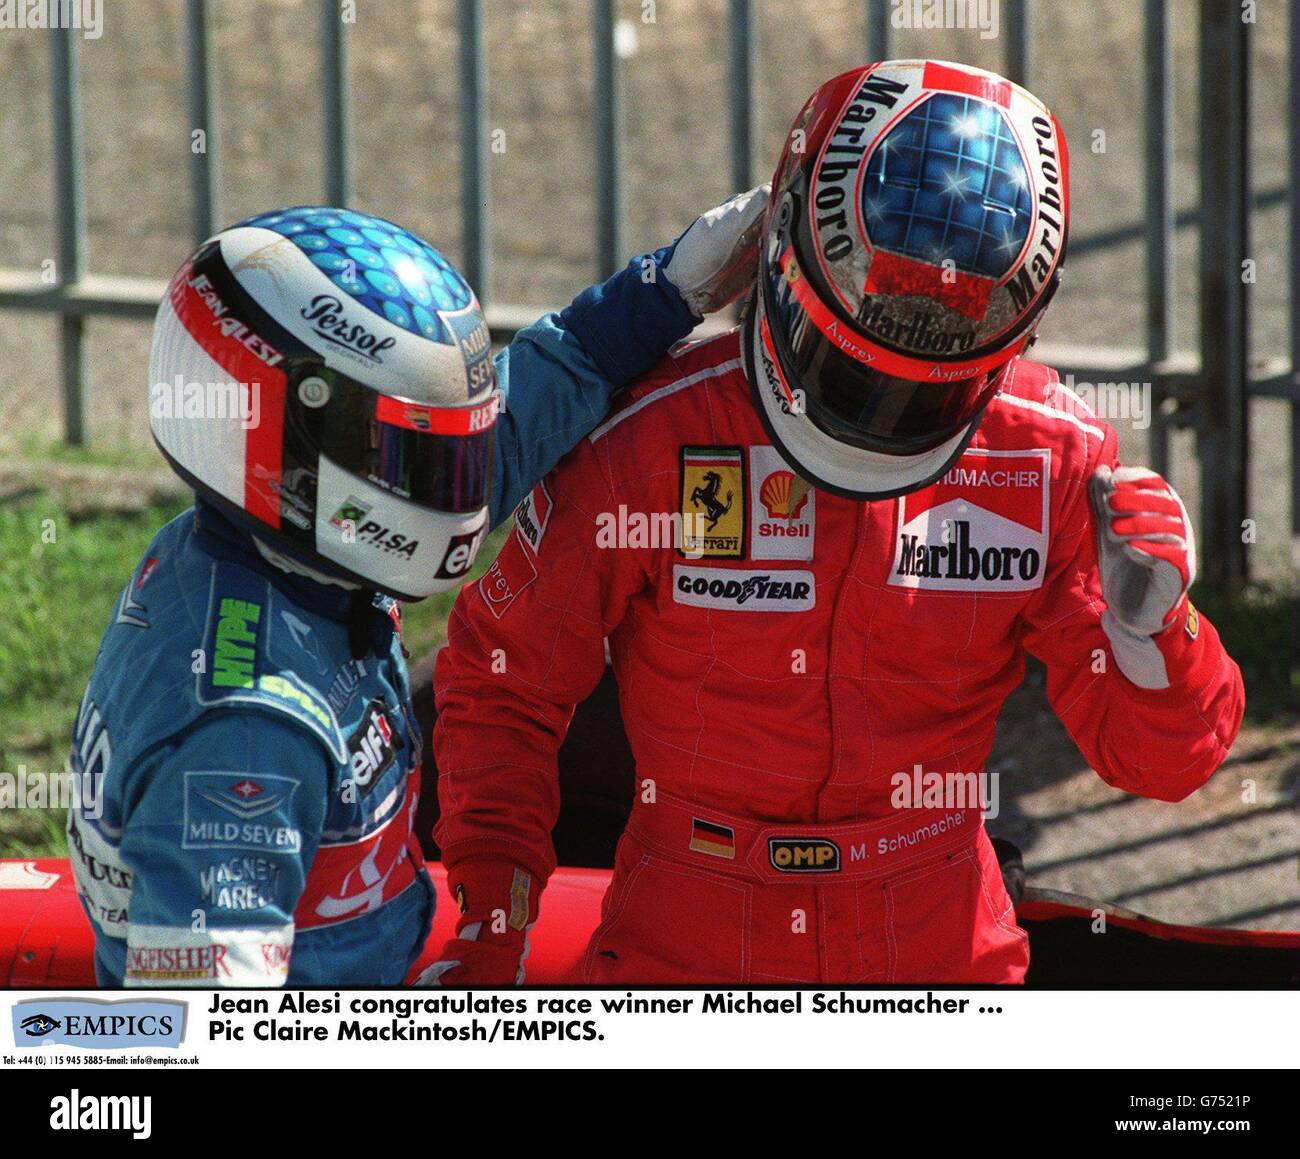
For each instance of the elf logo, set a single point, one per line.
(461, 551)
(373, 747)
(982, 527)
(799, 855)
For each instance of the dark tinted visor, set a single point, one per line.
(438, 457)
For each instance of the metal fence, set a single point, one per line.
(1207, 392)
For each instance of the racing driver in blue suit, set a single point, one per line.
(246, 751)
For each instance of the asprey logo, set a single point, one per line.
(77, 1112)
(803, 855)
(782, 509)
(96, 1025)
(983, 527)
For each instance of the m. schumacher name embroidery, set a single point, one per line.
(983, 527)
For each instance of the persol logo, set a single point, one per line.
(328, 320)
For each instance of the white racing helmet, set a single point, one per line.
(325, 379)
(914, 236)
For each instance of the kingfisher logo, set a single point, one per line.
(983, 527)
(97, 1025)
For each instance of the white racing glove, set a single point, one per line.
(1147, 556)
(713, 262)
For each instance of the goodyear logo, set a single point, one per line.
(801, 855)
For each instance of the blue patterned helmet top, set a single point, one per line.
(384, 267)
(949, 183)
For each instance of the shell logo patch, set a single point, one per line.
(982, 527)
(783, 509)
(713, 503)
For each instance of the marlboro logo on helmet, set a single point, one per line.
(911, 246)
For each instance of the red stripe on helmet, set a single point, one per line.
(439, 420)
(949, 79)
(253, 363)
(891, 273)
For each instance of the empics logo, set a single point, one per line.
(783, 506)
(107, 1025)
(713, 486)
(983, 527)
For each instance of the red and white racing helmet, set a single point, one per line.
(914, 236)
(325, 379)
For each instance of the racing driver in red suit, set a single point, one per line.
(818, 547)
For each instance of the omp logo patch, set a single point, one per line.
(713, 503)
(532, 515)
(801, 855)
(982, 527)
(782, 510)
(744, 591)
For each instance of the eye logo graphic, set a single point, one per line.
(38, 1025)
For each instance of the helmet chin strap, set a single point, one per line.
(293, 567)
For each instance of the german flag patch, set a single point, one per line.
(715, 840)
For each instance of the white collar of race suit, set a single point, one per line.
(293, 567)
(827, 463)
